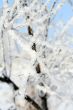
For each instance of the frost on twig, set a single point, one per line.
(29, 58)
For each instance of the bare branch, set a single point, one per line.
(31, 101)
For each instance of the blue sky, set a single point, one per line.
(0, 3)
(10, 2)
(64, 14)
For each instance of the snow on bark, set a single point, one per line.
(35, 74)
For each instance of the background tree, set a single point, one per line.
(35, 73)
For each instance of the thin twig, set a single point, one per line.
(3, 54)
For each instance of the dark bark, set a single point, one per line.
(30, 31)
(9, 81)
(38, 70)
(31, 101)
(44, 102)
(34, 46)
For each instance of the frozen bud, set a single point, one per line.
(41, 90)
